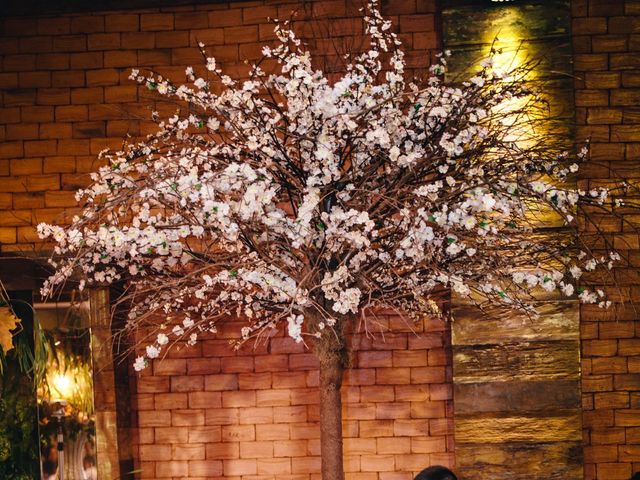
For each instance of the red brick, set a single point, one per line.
(302, 465)
(199, 399)
(187, 383)
(303, 361)
(22, 131)
(238, 399)
(70, 43)
(187, 418)
(102, 77)
(592, 98)
(609, 43)
(173, 468)
(60, 199)
(608, 436)
(170, 401)
(239, 433)
(624, 61)
(205, 468)
(155, 452)
(604, 348)
(225, 18)
(27, 201)
(393, 410)
(262, 449)
(242, 364)
(376, 428)
(204, 434)
(240, 467)
(171, 39)
(117, 58)
(221, 382)
(190, 20)
(87, 24)
(103, 41)
(241, 34)
(154, 418)
(417, 23)
(135, 40)
(41, 43)
(271, 363)
(589, 25)
(187, 452)
(272, 432)
(55, 130)
(257, 415)
(221, 416)
(121, 22)
(20, 26)
(266, 398)
(156, 21)
(370, 359)
(33, 79)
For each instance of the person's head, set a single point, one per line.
(49, 467)
(436, 472)
(636, 476)
(88, 461)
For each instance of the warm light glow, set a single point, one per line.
(70, 381)
(508, 38)
(62, 385)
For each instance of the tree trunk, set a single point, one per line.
(331, 352)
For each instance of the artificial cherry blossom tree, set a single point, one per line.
(294, 202)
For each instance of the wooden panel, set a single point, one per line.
(516, 396)
(517, 377)
(531, 429)
(557, 320)
(510, 361)
(552, 461)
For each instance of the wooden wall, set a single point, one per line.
(516, 378)
(517, 393)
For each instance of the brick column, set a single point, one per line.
(606, 39)
(104, 385)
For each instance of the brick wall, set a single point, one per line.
(209, 412)
(65, 93)
(606, 38)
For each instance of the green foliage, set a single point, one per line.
(22, 366)
(19, 455)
